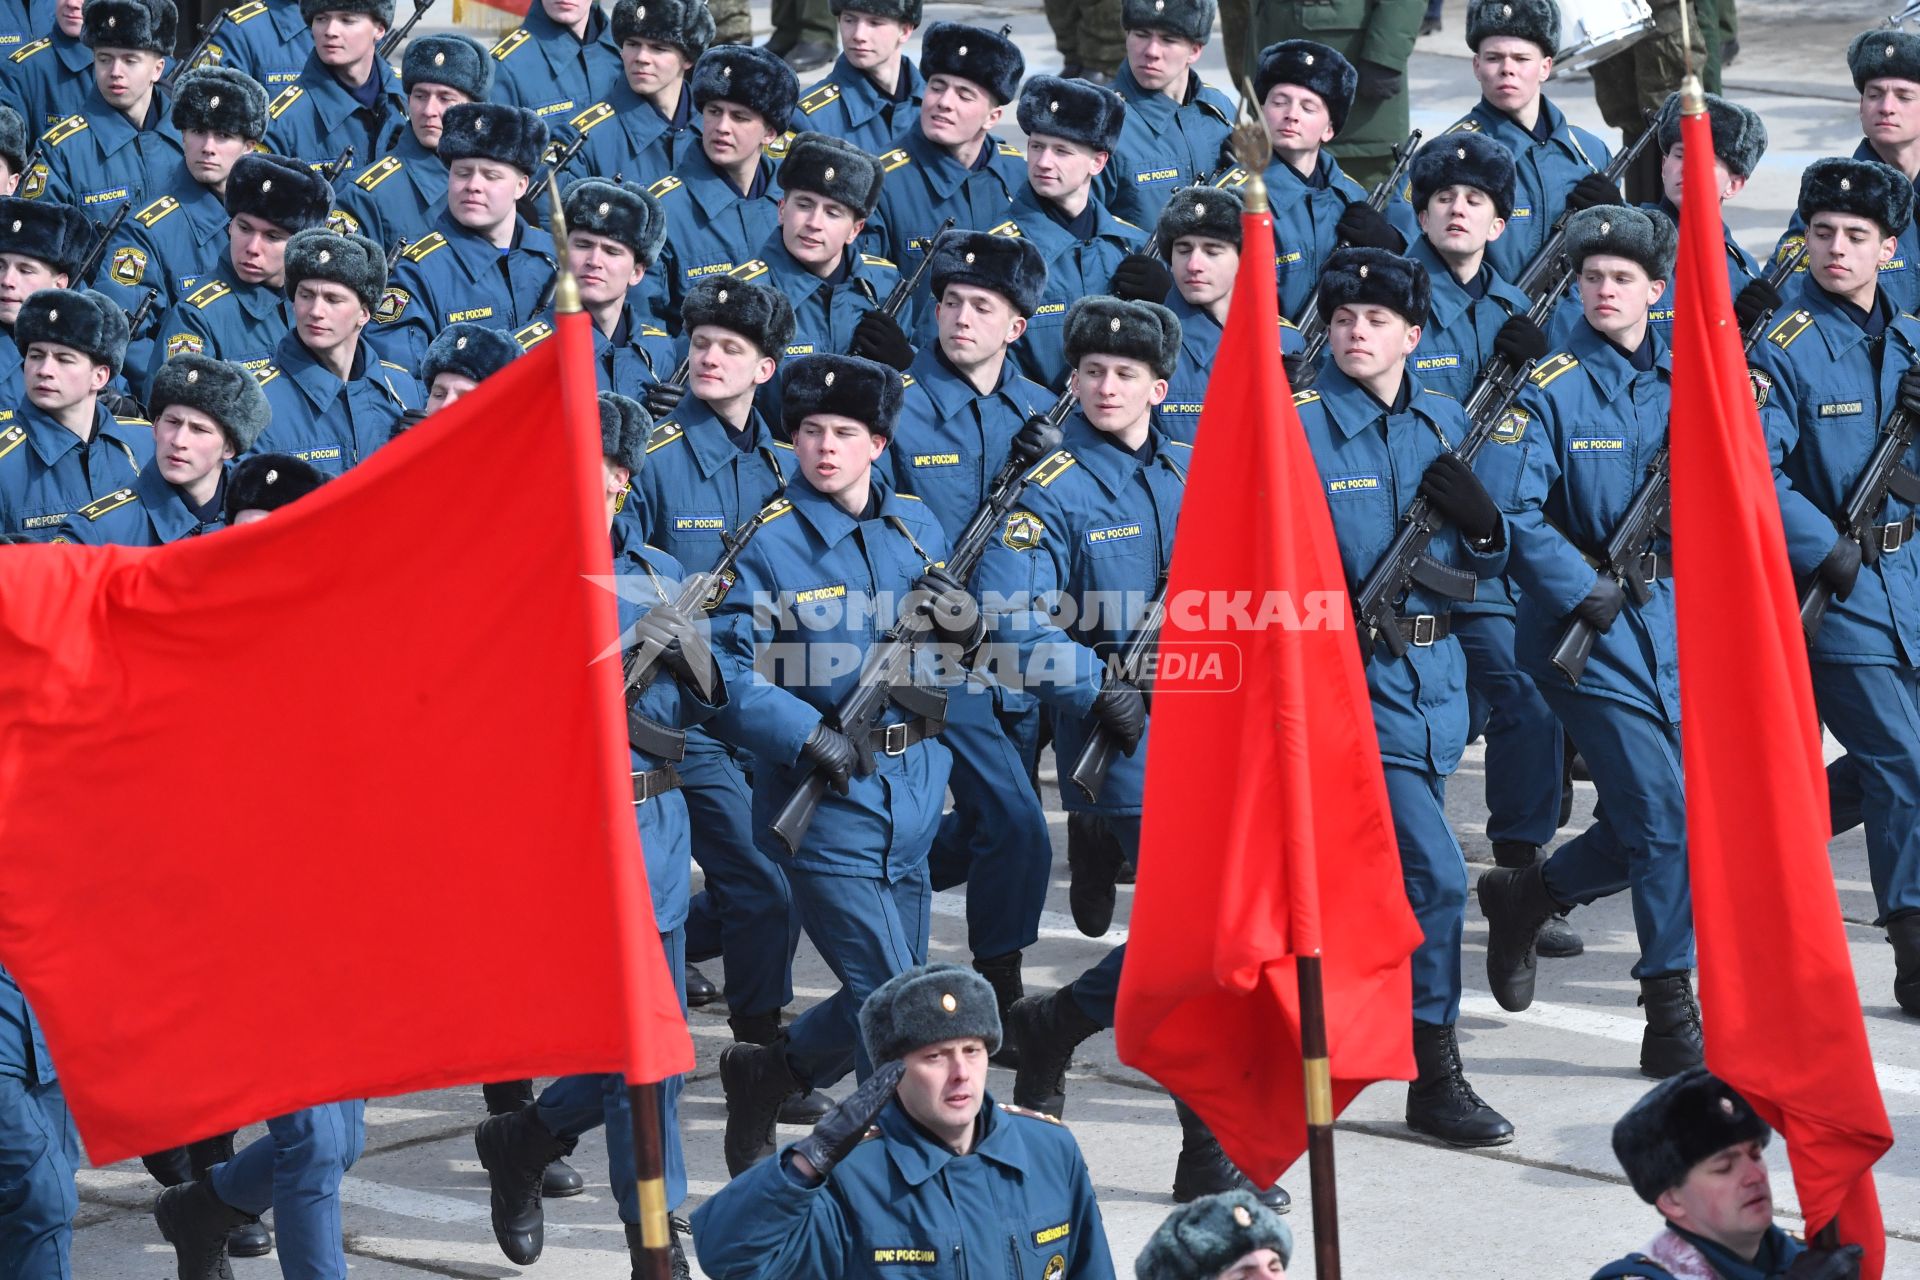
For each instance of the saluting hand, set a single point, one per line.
(841, 1129)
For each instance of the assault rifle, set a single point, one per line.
(393, 38)
(1313, 325)
(1547, 263)
(393, 254)
(91, 263)
(333, 168)
(202, 42)
(558, 157)
(1097, 756)
(140, 313)
(1152, 248)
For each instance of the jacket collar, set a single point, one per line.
(951, 393)
(73, 52)
(52, 442)
(477, 254)
(164, 505)
(1029, 210)
(1605, 365)
(709, 439)
(333, 104)
(112, 128)
(1111, 467)
(1449, 299)
(918, 1157)
(712, 192)
(640, 119)
(1287, 187)
(318, 384)
(205, 211)
(1199, 331)
(944, 174)
(861, 101)
(1352, 410)
(556, 42)
(796, 281)
(259, 301)
(1836, 327)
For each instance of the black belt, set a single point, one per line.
(1425, 629)
(654, 783)
(894, 739)
(1892, 537)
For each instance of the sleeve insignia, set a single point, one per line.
(340, 222)
(185, 343)
(1023, 531)
(129, 266)
(35, 183)
(1512, 425)
(393, 302)
(1762, 387)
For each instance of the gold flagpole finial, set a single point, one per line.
(1252, 149)
(566, 290)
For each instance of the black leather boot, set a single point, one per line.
(803, 1109)
(250, 1239)
(1204, 1170)
(1045, 1030)
(169, 1168)
(756, 1080)
(1557, 940)
(1093, 869)
(1672, 1041)
(1440, 1103)
(195, 1222)
(515, 1149)
(700, 988)
(508, 1096)
(1904, 933)
(680, 1269)
(1003, 975)
(1516, 905)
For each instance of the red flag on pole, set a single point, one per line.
(1756, 792)
(1248, 785)
(283, 809)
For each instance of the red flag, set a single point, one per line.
(283, 810)
(1756, 791)
(1247, 787)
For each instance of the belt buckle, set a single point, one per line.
(643, 789)
(894, 740)
(1423, 628)
(1891, 536)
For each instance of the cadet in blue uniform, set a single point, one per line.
(268, 40)
(1306, 90)
(647, 124)
(1176, 127)
(61, 448)
(1694, 1149)
(239, 312)
(48, 80)
(41, 245)
(14, 145)
(948, 163)
(346, 94)
(1556, 165)
(560, 62)
(720, 200)
(1827, 376)
(398, 194)
(1230, 1236)
(918, 1168)
(169, 244)
(1566, 462)
(206, 412)
(482, 261)
(334, 400)
(836, 551)
(121, 144)
(872, 93)
(39, 1149)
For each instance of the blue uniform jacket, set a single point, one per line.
(169, 245)
(1371, 462)
(47, 472)
(847, 105)
(1092, 534)
(23, 1049)
(636, 354)
(950, 441)
(49, 79)
(629, 138)
(396, 196)
(542, 67)
(697, 485)
(98, 160)
(1075, 268)
(1019, 1206)
(1164, 146)
(1564, 464)
(224, 318)
(711, 228)
(816, 587)
(1304, 213)
(19, 21)
(314, 119)
(1900, 276)
(1777, 1252)
(332, 424)
(1187, 388)
(925, 185)
(1741, 270)
(453, 274)
(147, 513)
(1822, 405)
(266, 39)
(1543, 174)
(825, 312)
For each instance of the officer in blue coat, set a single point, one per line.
(1175, 131)
(949, 163)
(560, 62)
(334, 400)
(62, 448)
(39, 1149)
(346, 94)
(721, 200)
(18, 24)
(268, 40)
(396, 196)
(1566, 462)
(1306, 90)
(1827, 375)
(835, 553)
(647, 124)
(238, 312)
(918, 1168)
(518, 1146)
(169, 244)
(206, 412)
(482, 261)
(42, 244)
(872, 93)
(47, 80)
(1556, 165)
(121, 144)
(614, 234)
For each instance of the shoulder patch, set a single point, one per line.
(1051, 468)
(664, 434)
(1023, 531)
(392, 305)
(1512, 425)
(1552, 368)
(1012, 1110)
(749, 270)
(820, 97)
(1762, 387)
(653, 331)
(894, 159)
(26, 51)
(288, 96)
(875, 260)
(533, 335)
(1792, 327)
(508, 43)
(375, 174)
(64, 130)
(597, 114)
(775, 509)
(1788, 247)
(128, 266)
(340, 222)
(208, 294)
(34, 185)
(246, 12)
(423, 246)
(112, 502)
(662, 187)
(159, 209)
(180, 343)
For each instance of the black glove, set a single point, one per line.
(1364, 227)
(1602, 605)
(1826, 1264)
(1035, 439)
(682, 651)
(833, 753)
(953, 613)
(1592, 190)
(841, 1129)
(1841, 569)
(1520, 340)
(1758, 299)
(1910, 390)
(1450, 485)
(1140, 278)
(407, 422)
(879, 337)
(1301, 373)
(662, 398)
(1377, 83)
(1122, 708)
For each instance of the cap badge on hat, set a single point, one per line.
(1159, 6)
(828, 175)
(1307, 58)
(272, 476)
(1506, 11)
(829, 380)
(439, 59)
(640, 14)
(193, 375)
(16, 224)
(1726, 1105)
(1606, 228)
(1363, 271)
(326, 256)
(948, 1003)
(214, 101)
(1846, 184)
(961, 51)
(1053, 104)
(1460, 153)
(722, 295)
(16, 227)
(726, 72)
(112, 22)
(605, 207)
(53, 316)
(460, 343)
(480, 125)
(1114, 324)
(266, 186)
(1241, 1216)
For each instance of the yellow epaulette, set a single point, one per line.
(1010, 229)
(388, 364)
(1051, 468)
(288, 96)
(820, 97)
(132, 421)
(894, 159)
(662, 187)
(375, 174)
(423, 246)
(774, 510)
(208, 294)
(1012, 1110)
(1431, 392)
(246, 12)
(1553, 367)
(508, 43)
(63, 130)
(664, 434)
(1234, 177)
(533, 335)
(112, 502)
(1180, 444)
(783, 444)
(653, 331)
(1305, 397)
(1469, 125)
(266, 373)
(597, 114)
(875, 260)
(1792, 327)
(26, 51)
(1008, 149)
(910, 497)
(1123, 222)
(11, 439)
(906, 380)
(1288, 324)
(159, 209)
(749, 270)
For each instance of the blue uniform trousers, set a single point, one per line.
(1875, 713)
(296, 1171)
(38, 1151)
(1435, 873)
(1097, 990)
(1524, 742)
(867, 929)
(572, 1105)
(1846, 794)
(745, 914)
(1638, 839)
